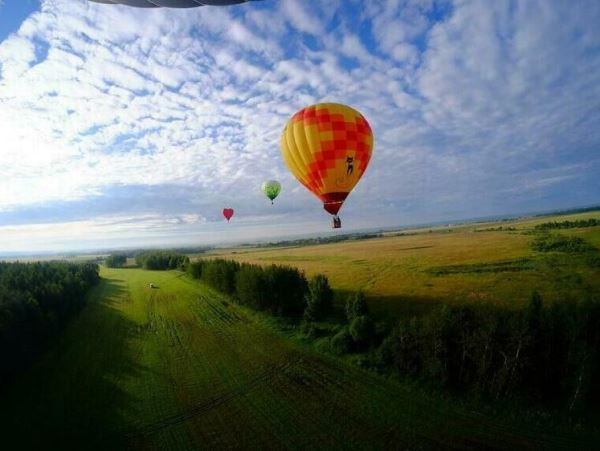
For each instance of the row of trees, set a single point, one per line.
(116, 260)
(36, 301)
(548, 354)
(321, 240)
(497, 229)
(161, 260)
(561, 243)
(279, 290)
(360, 332)
(284, 291)
(592, 222)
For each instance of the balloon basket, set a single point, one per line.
(336, 223)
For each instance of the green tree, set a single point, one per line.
(341, 343)
(318, 298)
(195, 269)
(362, 331)
(251, 287)
(356, 305)
(116, 260)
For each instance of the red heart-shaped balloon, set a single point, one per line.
(228, 213)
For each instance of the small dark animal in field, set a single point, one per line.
(153, 286)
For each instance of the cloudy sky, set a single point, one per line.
(125, 127)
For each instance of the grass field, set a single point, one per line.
(181, 368)
(464, 264)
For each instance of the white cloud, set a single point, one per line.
(464, 103)
(396, 23)
(16, 56)
(302, 18)
(49, 236)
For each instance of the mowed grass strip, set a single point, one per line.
(181, 367)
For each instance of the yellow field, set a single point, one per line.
(453, 265)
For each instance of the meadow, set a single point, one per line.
(410, 271)
(180, 367)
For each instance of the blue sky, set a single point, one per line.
(130, 127)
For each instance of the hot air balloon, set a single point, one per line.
(171, 3)
(271, 188)
(228, 213)
(327, 147)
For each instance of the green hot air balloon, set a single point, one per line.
(271, 188)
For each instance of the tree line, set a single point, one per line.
(559, 243)
(36, 302)
(161, 260)
(319, 240)
(550, 354)
(546, 354)
(497, 229)
(592, 222)
(279, 290)
(115, 260)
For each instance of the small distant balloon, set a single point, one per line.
(271, 188)
(228, 213)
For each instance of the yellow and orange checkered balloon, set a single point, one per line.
(327, 147)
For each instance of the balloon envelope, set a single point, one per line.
(328, 147)
(228, 213)
(171, 3)
(271, 188)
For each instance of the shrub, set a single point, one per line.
(341, 343)
(356, 305)
(400, 350)
(278, 289)
(592, 222)
(593, 260)
(116, 260)
(323, 345)
(561, 243)
(195, 269)
(362, 331)
(309, 330)
(286, 287)
(318, 299)
(251, 287)
(220, 274)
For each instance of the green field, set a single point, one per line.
(180, 367)
(416, 269)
